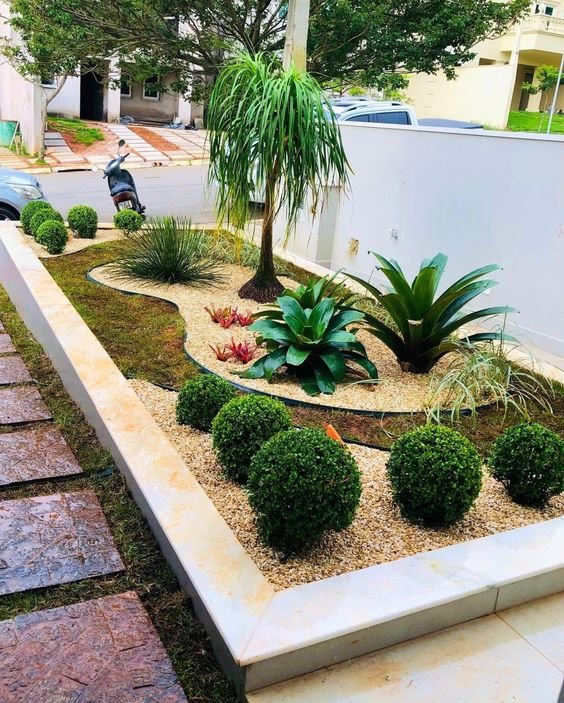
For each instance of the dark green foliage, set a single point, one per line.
(83, 221)
(53, 236)
(423, 325)
(128, 221)
(169, 251)
(200, 399)
(301, 485)
(44, 215)
(528, 459)
(242, 426)
(29, 211)
(436, 475)
(306, 332)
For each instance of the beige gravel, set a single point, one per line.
(378, 533)
(397, 391)
(75, 244)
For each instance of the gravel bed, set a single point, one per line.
(75, 243)
(397, 391)
(378, 533)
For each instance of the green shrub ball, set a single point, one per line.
(44, 215)
(436, 475)
(302, 484)
(29, 211)
(53, 236)
(128, 221)
(200, 399)
(83, 221)
(528, 460)
(241, 427)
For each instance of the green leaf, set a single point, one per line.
(296, 356)
(269, 329)
(321, 316)
(335, 362)
(274, 361)
(340, 337)
(324, 378)
(294, 315)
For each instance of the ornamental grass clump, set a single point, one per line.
(44, 215)
(169, 251)
(29, 211)
(302, 484)
(200, 399)
(528, 460)
(423, 325)
(241, 427)
(53, 236)
(305, 332)
(83, 221)
(436, 475)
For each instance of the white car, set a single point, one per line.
(373, 111)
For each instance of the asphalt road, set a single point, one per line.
(170, 190)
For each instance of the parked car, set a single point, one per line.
(16, 191)
(373, 111)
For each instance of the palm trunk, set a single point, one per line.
(264, 287)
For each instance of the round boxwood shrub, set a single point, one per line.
(128, 221)
(301, 485)
(200, 399)
(53, 236)
(83, 221)
(44, 215)
(242, 426)
(436, 475)
(528, 459)
(29, 211)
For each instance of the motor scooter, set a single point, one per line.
(121, 184)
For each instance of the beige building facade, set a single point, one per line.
(490, 86)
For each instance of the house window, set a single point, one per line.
(151, 88)
(542, 9)
(125, 88)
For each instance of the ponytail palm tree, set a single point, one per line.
(270, 132)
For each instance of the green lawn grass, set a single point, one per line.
(79, 131)
(147, 572)
(534, 122)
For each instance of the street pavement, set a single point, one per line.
(178, 191)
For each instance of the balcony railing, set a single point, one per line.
(542, 23)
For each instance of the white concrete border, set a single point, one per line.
(262, 637)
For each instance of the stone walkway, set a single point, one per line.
(103, 650)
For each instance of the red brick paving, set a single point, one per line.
(23, 404)
(13, 370)
(101, 651)
(6, 346)
(30, 455)
(54, 539)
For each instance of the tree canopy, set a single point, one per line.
(352, 41)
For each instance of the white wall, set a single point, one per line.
(480, 198)
(67, 102)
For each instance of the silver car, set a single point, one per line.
(16, 191)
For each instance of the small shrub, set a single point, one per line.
(83, 221)
(29, 211)
(528, 459)
(302, 484)
(436, 475)
(169, 251)
(242, 426)
(128, 221)
(44, 215)
(200, 399)
(53, 236)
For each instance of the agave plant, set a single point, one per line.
(313, 343)
(425, 324)
(316, 290)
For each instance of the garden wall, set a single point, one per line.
(480, 198)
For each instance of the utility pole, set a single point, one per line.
(295, 48)
(556, 88)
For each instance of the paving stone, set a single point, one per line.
(6, 346)
(30, 455)
(13, 370)
(54, 539)
(22, 405)
(100, 651)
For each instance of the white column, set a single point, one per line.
(113, 97)
(184, 110)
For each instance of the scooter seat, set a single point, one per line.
(121, 188)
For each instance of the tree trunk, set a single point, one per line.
(264, 287)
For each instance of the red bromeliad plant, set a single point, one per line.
(244, 319)
(225, 317)
(222, 354)
(242, 351)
